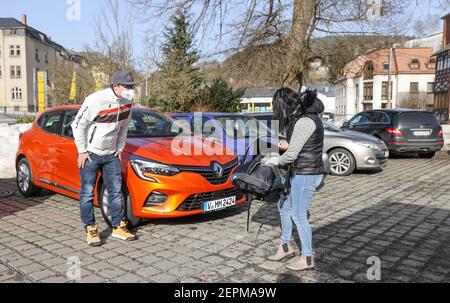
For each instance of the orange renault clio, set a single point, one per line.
(165, 172)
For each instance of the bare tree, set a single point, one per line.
(289, 25)
(113, 49)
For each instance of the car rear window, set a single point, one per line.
(416, 118)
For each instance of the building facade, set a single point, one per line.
(23, 52)
(442, 92)
(363, 84)
(260, 99)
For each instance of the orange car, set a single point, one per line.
(159, 181)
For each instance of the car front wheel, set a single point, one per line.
(342, 162)
(25, 179)
(103, 203)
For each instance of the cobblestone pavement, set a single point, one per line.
(401, 215)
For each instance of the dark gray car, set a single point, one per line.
(347, 150)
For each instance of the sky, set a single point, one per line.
(73, 28)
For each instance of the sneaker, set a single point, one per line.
(301, 263)
(121, 232)
(92, 236)
(284, 251)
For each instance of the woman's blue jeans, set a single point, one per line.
(295, 208)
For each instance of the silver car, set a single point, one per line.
(348, 150)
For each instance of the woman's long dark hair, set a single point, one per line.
(288, 106)
(284, 103)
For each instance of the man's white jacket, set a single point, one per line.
(101, 124)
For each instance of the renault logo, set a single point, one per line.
(217, 170)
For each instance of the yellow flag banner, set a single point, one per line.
(73, 87)
(41, 90)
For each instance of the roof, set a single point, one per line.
(445, 16)
(40, 36)
(260, 92)
(10, 23)
(401, 59)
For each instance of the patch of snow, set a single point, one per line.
(9, 143)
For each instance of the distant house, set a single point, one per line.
(363, 83)
(442, 92)
(24, 51)
(260, 99)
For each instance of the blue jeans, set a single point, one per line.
(112, 178)
(295, 208)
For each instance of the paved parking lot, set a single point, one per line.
(400, 215)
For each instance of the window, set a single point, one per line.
(16, 93)
(430, 87)
(37, 55)
(15, 71)
(68, 119)
(384, 90)
(13, 31)
(16, 108)
(368, 91)
(368, 70)
(381, 117)
(1, 71)
(18, 71)
(14, 50)
(357, 92)
(414, 87)
(386, 66)
(46, 57)
(359, 119)
(51, 122)
(414, 63)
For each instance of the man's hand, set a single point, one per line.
(82, 158)
(283, 145)
(118, 154)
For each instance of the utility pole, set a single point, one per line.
(389, 88)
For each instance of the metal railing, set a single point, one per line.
(7, 112)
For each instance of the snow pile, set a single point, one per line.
(9, 143)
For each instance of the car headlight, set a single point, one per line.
(144, 168)
(367, 144)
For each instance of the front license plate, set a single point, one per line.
(219, 204)
(421, 133)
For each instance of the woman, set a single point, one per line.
(299, 119)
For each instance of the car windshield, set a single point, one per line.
(150, 124)
(239, 127)
(330, 127)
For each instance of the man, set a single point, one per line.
(100, 132)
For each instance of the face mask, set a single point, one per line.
(128, 94)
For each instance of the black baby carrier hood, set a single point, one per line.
(257, 179)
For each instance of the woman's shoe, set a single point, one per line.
(284, 251)
(301, 263)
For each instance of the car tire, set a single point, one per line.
(133, 221)
(427, 155)
(342, 162)
(24, 179)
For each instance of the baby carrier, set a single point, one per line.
(263, 182)
(267, 182)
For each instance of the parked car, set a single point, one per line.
(158, 182)
(348, 150)
(403, 130)
(229, 130)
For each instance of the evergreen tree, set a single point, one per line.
(181, 80)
